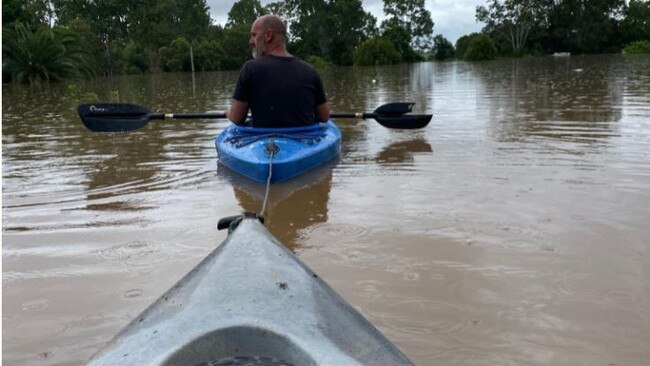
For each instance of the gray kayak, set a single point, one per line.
(250, 302)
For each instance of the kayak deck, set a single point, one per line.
(247, 150)
(250, 299)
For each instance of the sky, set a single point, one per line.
(451, 18)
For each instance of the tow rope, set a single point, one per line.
(271, 148)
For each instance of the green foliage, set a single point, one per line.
(511, 19)
(401, 40)
(638, 47)
(78, 96)
(244, 12)
(134, 59)
(409, 27)
(21, 11)
(414, 18)
(319, 62)
(45, 54)
(208, 55)
(114, 96)
(235, 40)
(176, 56)
(481, 48)
(636, 24)
(331, 29)
(442, 48)
(377, 51)
(462, 44)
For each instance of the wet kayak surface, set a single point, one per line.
(512, 230)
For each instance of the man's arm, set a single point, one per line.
(322, 112)
(237, 112)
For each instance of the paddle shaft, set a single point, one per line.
(223, 115)
(186, 115)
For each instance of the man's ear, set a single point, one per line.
(268, 35)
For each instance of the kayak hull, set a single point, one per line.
(296, 150)
(251, 298)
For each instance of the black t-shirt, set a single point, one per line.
(280, 91)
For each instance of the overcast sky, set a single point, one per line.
(452, 18)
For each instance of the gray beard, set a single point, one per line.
(257, 53)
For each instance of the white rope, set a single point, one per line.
(268, 182)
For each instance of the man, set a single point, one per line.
(280, 89)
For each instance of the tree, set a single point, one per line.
(515, 18)
(376, 51)
(481, 48)
(107, 21)
(26, 12)
(462, 44)
(636, 24)
(45, 54)
(331, 29)
(190, 18)
(235, 41)
(412, 16)
(408, 26)
(244, 12)
(586, 26)
(442, 48)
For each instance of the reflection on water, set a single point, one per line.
(555, 98)
(512, 230)
(291, 206)
(402, 151)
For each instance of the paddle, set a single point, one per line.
(118, 117)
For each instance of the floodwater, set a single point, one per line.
(513, 230)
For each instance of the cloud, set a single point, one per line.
(452, 18)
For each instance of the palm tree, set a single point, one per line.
(45, 54)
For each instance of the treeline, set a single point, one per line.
(537, 27)
(63, 39)
(67, 39)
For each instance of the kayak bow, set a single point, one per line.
(250, 300)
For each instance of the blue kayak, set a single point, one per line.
(288, 151)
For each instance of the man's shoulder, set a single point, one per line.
(274, 60)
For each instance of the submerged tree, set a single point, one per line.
(514, 18)
(331, 29)
(408, 26)
(481, 48)
(376, 51)
(442, 48)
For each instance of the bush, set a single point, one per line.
(481, 48)
(318, 62)
(638, 47)
(376, 51)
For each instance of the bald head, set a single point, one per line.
(269, 36)
(274, 23)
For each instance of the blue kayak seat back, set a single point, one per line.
(309, 134)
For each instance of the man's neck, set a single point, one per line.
(279, 50)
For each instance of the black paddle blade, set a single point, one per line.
(395, 109)
(113, 117)
(408, 122)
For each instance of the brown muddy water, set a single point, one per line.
(514, 230)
